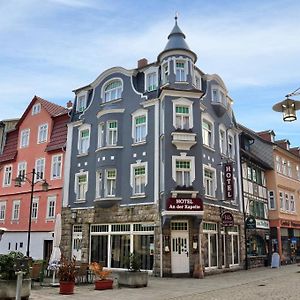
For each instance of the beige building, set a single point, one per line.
(284, 199)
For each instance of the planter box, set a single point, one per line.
(8, 289)
(104, 284)
(133, 279)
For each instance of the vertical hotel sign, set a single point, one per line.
(229, 181)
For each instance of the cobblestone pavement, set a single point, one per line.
(260, 283)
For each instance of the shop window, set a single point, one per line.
(256, 246)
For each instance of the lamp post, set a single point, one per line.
(288, 107)
(45, 187)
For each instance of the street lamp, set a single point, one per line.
(288, 107)
(32, 181)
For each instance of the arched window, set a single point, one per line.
(113, 90)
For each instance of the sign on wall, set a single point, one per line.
(250, 222)
(185, 204)
(229, 181)
(227, 219)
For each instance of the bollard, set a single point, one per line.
(19, 284)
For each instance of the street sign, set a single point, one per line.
(227, 219)
(250, 222)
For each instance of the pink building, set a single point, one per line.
(37, 144)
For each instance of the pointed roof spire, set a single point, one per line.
(176, 40)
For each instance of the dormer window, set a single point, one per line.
(36, 108)
(198, 82)
(113, 90)
(151, 81)
(81, 102)
(180, 71)
(219, 96)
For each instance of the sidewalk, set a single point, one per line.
(234, 285)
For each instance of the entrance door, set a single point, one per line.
(48, 246)
(180, 248)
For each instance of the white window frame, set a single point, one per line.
(16, 207)
(213, 181)
(197, 80)
(272, 199)
(286, 202)
(231, 154)
(85, 185)
(36, 109)
(281, 200)
(133, 167)
(297, 172)
(22, 168)
(7, 175)
(292, 203)
(106, 192)
(101, 137)
(99, 183)
(2, 210)
(42, 133)
(81, 101)
(278, 164)
(154, 85)
(184, 157)
(284, 166)
(81, 150)
(135, 115)
(25, 133)
(51, 209)
(107, 94)
(219, 95)
(40, 164)
(56, 166)
(35, 208)
(208, 119)
(222, 142)
(183, 102)
(165, 72)
(183, 71)
(114, 133)
(289, 168)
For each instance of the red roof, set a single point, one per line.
(10, 147)
(59, 133)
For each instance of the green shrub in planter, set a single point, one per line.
(9, 263)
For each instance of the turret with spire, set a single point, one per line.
(176, 41)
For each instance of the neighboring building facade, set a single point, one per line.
(256, 160)
(284, 198)
(37, 143)
(6, 126)
(145, 164)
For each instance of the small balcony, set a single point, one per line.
(184, 190)
(183, 140)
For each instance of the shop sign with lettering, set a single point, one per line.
(227, 219)
(229, 181)
(250, 222)
(264, 224)
(185, 204)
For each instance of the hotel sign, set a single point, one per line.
(229, 181)
(185, 204)
(227, 219)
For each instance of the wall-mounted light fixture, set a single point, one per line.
(74, 215)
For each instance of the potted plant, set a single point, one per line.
(9, 264)
(133, 277)
(102, 282)
(67, 274)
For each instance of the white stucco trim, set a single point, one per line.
(81, 128)
(148, 71)
(105, 84)
(135, 114)
(184, 102)
(156, 152)
(207, 117)
(110, 111)
(183, 156)
(136, 165)
(67, 165)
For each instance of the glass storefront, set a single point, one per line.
(112, 243)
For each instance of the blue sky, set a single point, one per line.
(50, 47)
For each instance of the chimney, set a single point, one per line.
(142, 63)
(69, 104)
